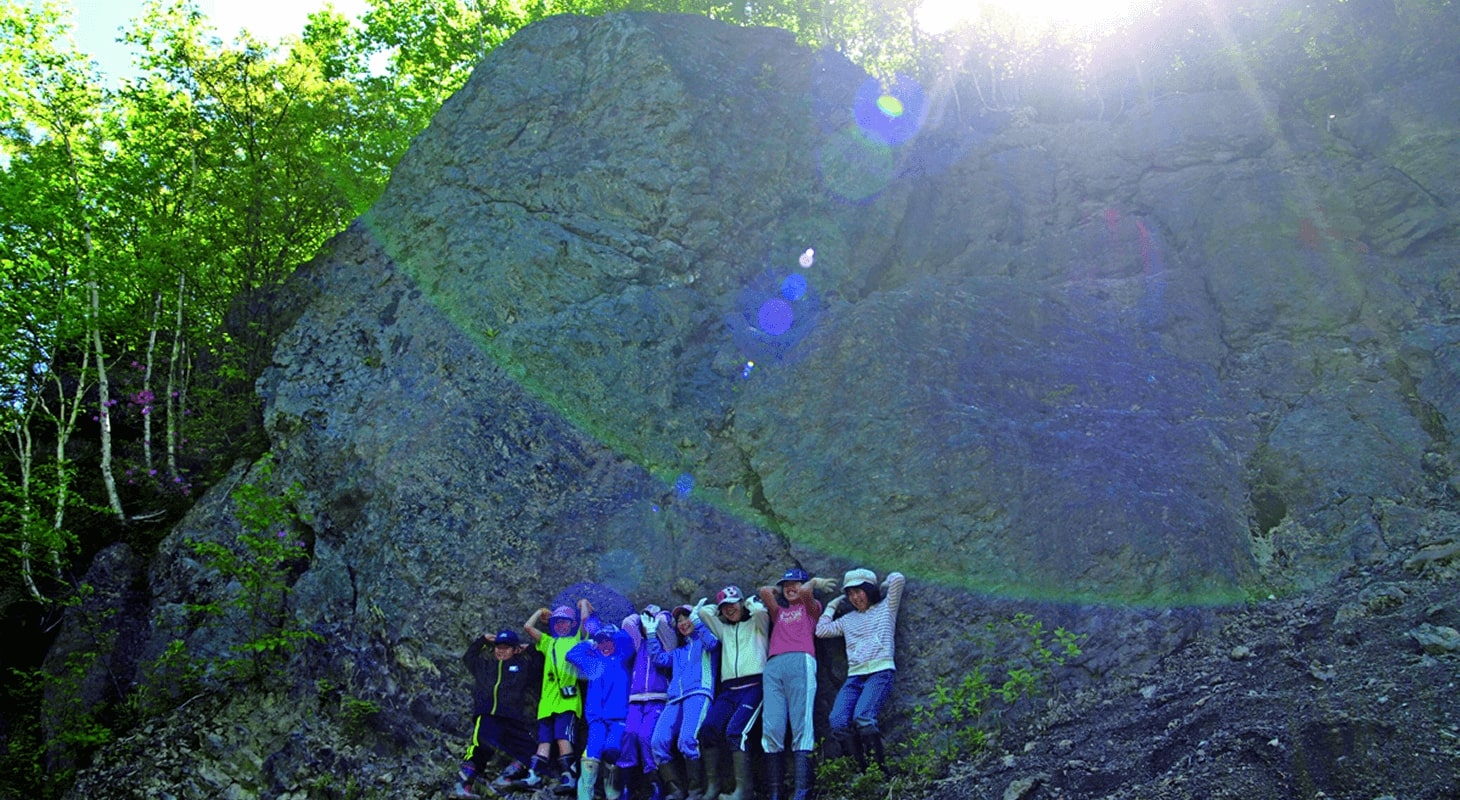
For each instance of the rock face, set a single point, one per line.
(657, 304)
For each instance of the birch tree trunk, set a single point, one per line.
(146, 397)
(174, 390)
(103, 396)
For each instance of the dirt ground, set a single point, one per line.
(1326, 695)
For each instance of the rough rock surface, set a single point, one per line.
(1125, 368)
(1343, 692)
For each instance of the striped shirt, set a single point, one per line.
(869, 634)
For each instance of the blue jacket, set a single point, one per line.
(608, 676)
(691, 665)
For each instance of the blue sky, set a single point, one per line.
(98, 23)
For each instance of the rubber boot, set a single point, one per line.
(801, 760)
(849, 744)
(694, 779)
(744, 779)
(613, 787)
(673, 784)
(775, 771)
(587, 776)
(712, 760)
(871, 741)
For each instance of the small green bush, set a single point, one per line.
(1016, 660)
(358, 715)
(262, 562)
(960, 718)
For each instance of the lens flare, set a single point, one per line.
(890, 113)
(855, 166)
(608, 603)
(621, 570)
(775, 316)
(793, 288)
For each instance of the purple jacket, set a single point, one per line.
(648, 682)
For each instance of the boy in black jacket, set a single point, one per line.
(504, 703)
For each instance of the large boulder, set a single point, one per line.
(657, 304)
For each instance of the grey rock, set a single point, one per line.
(1115, 373)
(1436, 639)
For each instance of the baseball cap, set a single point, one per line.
(730, 594)
(795, 574)
(507, 636)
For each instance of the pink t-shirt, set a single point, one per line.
(793, 627)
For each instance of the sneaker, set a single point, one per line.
(462, 790)
(511, 775)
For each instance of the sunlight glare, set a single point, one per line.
(941, 16)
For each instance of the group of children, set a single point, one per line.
(684, 687)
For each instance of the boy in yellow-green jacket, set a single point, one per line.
(561, 703)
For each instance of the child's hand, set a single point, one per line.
(823, 584)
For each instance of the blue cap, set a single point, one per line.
(606, 631)
(794, 574)
(507, 636)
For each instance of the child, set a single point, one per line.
(504, 703)
(868, 629)
(790, 677)
(606, 662)
(691, 687)
(560, 705)
(647, 695)
(742, 626)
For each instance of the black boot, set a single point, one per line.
(673, 783)
(694, 779)
(710, 763)
(801, 761)
(849, 744)
(744, 779)
(775, 774)
(871, 740)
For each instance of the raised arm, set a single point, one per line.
(633, 627)
(892, 592)
(530, 626)
(582, 655)
(710, 615)
(759, 616)
(474, 650)
(657, 652)
(827, 625)
(767, 596)
(706, 636)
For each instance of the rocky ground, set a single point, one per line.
(1349, 692)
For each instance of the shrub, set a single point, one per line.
(1014, 660)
